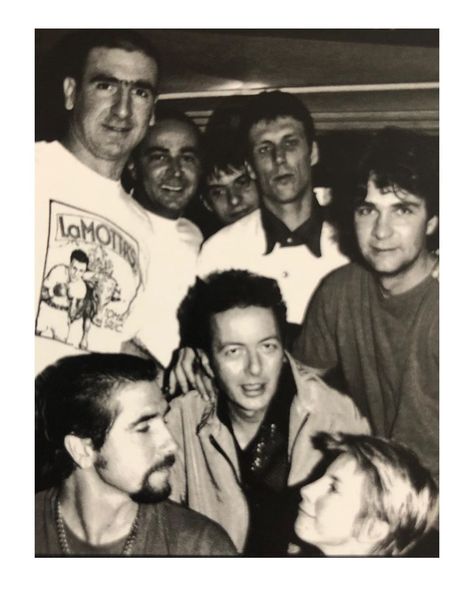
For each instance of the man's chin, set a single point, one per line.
(150, 495)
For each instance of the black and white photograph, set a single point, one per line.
(237, 293)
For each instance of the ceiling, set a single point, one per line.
(349, 79)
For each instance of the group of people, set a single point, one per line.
(261, 392)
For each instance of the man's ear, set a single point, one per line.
(432, 225)
(69, 89)
(81, 450)
(373, 530)
(250, 170)
(314, 153)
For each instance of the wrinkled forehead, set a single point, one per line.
(128, 65)
(271, 129)
(247, 324)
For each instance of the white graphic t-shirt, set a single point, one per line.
(92, 258)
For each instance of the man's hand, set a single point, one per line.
(189, 370)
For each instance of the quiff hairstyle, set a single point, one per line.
(398, 489)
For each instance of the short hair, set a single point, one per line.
(74, 396)
(224, 143)
(74, 48)
(401, 161)
(268, 106)
(79, 255)
(223, 291)
(398, 489)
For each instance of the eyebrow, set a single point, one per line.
(228, 343)
(113, 79)
(144, 418)
(153, 149)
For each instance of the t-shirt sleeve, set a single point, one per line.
(316, 345)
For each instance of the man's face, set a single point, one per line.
(330, 506)
(76, 270)
(113, 103)
(138, 451)
(169, 167)
(232, 194)
(247, 356)
(392, 229)
(282, 159)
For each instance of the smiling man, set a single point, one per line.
(110, 80)
(165, 171)
(378, 322)
(103, 446)
(240, 454)
(286, 238)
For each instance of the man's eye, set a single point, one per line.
(144, 429)
(243, 182)
(158, 157)
(217, 193)
(364, 210)
(332, 488)
(143, 93)
(270, 347)
(262, 150)
(189, 158)
(232, 352)
(291, 143)
(404, 210)
(105, 86)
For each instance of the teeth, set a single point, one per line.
(169, 188)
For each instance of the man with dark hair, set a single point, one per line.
(229, 192)
(375, 498)
(165, 170)
(110, 87)
(378, 322)
(287, 238)
(103, 446)
(240, 453)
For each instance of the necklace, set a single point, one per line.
(63, 542)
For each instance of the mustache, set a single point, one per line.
(166, 463)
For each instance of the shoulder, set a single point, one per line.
(248, 226)
(191, 405)
(189, 233)
(321, 401)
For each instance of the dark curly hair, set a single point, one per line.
(220, 292)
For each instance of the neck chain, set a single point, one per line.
(63, 542)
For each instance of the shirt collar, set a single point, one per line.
(309, 233)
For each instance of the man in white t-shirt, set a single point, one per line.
(110, 85)
(166, 169)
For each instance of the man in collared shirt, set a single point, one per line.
(286, 238)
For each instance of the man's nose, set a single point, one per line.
(254, 364)
(175, 167)
(233, 196)
(280, 155)
(165, 441)
(310, 491)
(123, 102)
(383, 226)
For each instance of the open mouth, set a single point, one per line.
(285, 178)
(172, 188)
(117, 129)
(254, 390)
